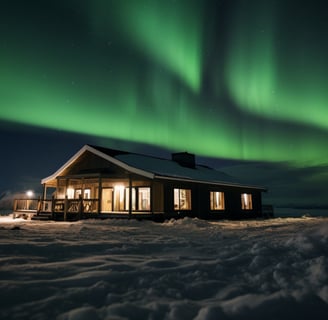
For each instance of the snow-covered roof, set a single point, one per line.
(154, 167)
(164, 168)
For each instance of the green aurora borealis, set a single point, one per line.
(233, 79)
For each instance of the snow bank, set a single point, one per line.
(184, 269)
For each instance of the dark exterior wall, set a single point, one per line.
(157, 194)
(233, 202)
(169, 187)
(234, 207)
(205, 203)
(257, 204)
(200, 199)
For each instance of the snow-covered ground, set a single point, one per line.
(185, 269)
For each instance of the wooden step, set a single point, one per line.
(43, 216)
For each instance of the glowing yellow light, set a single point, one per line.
(119, 187)
(70, 193)
(245, 195)
(30, 193)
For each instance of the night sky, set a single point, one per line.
(242, 81)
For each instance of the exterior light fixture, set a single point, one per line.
(29, 193)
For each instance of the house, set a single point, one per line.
(101, 182)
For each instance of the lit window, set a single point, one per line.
(144, 198)
(78, 193)
(60, 193)
(127, 199)
(87, 194)
(70, 193)
(119, 198)
(182, 199)
(246, 201)
(217, 200)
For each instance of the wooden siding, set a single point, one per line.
(157, 195)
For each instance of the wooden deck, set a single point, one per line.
(73, 210)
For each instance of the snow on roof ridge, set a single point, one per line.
(128, 152)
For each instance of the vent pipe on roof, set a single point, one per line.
(184, 159)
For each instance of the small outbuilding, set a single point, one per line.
(101, 182)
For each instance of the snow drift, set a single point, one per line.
(184, 269)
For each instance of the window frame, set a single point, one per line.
(136, 198)
(246, 201)
(217, 201)
(180, 194)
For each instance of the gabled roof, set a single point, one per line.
(154, 167)
(109, 156)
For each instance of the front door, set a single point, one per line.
(107, 200)
(119, 198)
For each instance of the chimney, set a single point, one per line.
(184, 159)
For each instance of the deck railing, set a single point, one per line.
(90, 205)
(64, 208)
(33, 205)
(77, 206)
(26, 205)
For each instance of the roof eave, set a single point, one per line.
(217, 183)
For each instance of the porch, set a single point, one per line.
(68, 210)
(81, 197)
